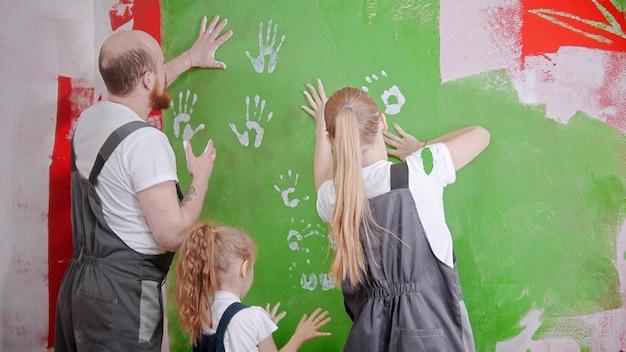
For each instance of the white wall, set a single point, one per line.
(39, 40)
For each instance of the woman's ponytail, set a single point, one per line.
(352, 119)
(350, 200)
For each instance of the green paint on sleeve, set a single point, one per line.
(427, 160)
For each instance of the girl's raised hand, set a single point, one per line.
(308, 328)
(404, 145)
(272, 312)
(317, 100)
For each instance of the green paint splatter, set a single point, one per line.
(427, 159)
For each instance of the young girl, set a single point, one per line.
(394, 256)
(214, 271)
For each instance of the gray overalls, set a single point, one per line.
(409, 300)
(110, 296)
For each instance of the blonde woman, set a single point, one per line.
(214, 272)
(394, 257)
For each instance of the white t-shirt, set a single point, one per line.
(249, 326)
(143, 159)
(427, 191)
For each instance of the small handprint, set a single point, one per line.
(257, 114)
(286, 192)
(183, 116)
(326, 281)
(295, 236)
(308, 283)
(266, 48)
(391, 107)
(331, 241)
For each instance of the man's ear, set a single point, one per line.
(383, 121)
(148, 80)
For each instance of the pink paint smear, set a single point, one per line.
(487, 35)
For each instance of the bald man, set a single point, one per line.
(128, 214)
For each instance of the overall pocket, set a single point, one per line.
(430, 340)
(93, 320)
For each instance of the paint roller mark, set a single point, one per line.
(524, 342)
(369, 11)
(602, 331)
(610, 93)
(425, 13)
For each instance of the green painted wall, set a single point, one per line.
(534, 218)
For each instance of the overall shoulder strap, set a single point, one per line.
(399, 175)
(110, 144)
(230, 312)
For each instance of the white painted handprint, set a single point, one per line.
(291, 189)
(183, 115)
(308, 283)
(254, 124)
(392, 106)
(266, 48)
(331, 241)
(296, 236)
(326, 281)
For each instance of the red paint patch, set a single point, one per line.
(148, 19)
(540, 35)
(74, 96)
(549, 25)
(610, 95)
(155, 119)
(121, 13)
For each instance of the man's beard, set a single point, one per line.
(159, 100)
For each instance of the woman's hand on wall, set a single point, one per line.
(404, 145)
(323, 160)
(317, 100)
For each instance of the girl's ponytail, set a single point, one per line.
(204, 259)
(195, 280)
(352, 119)
(350, 200)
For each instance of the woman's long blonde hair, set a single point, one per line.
(205, 256)
(352, 119)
